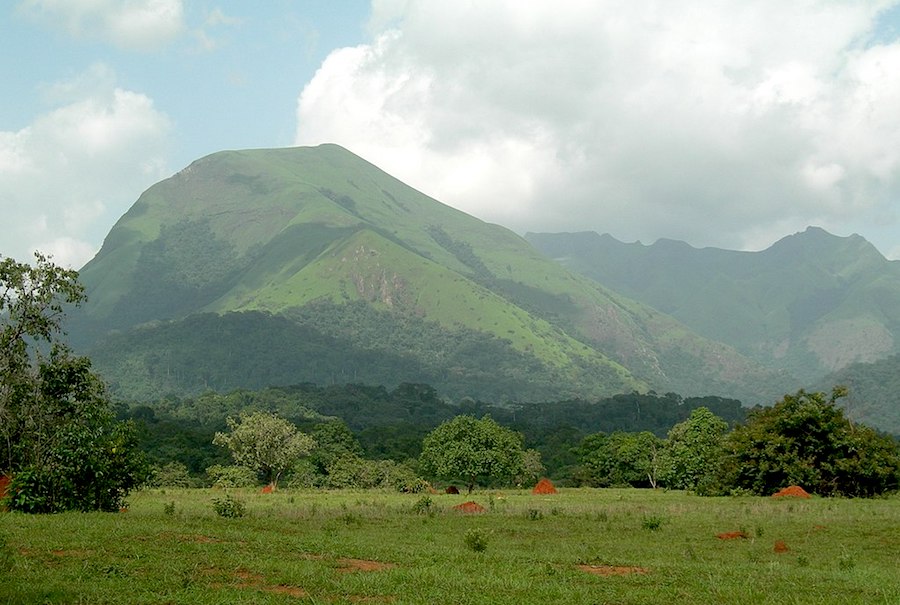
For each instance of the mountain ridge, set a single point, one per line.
(283, 231)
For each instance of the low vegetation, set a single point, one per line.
(579, 546)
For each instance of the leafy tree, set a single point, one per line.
(476, 451)
(60, 439)
(333, 441)
(265, 443)
(694, 450)
(805, 440)
(621, 459)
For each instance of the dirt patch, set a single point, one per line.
(794, 491)
(469, 507)
(76, 553)
(544, 486)
(4, 485)
(351, 565)
(733, 535)
(780, 547)
(294, 591)
(267, 489)
(612, 570)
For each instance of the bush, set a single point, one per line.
(476, 540)
(171, 474)
(228, 507)
(804, 439)
(231, 476)
(424, 506)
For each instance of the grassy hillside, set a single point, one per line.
(401, 287)
(811, 303)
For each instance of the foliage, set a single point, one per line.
(472, 450)
(621, 459)
(806, 440)
(694, 450)
(229, 507)
(333, 441)
(265, 443)
(60, 440)
(476, 539)
(171, 474)
(231, 476)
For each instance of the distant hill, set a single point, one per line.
(267, 267)
(819, 306)
(811, 303)
(874, 392)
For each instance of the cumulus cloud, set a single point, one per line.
(128, 24)
(726, 123)
(67, 177)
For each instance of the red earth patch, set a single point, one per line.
(544, 486)
(469, 507)
(613, 570)
(794, 491)
(733, 535)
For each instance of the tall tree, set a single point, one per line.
(61, 443)
(805, 440)
(694, 450)
(472, 450)
(265, 443)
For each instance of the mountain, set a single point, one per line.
(265, 267)
(873, 392)
(812, 303)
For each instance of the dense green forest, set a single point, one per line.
(389, 424)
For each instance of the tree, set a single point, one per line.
(694, 450)
(473, 450)
(61, 442)
(265, 443)
(621, 459)
(805, 440)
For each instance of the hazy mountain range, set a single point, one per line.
(268, 267)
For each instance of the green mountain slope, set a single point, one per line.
(811, 303)
(377, 283)
(873, 392)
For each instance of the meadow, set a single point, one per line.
(623, 546)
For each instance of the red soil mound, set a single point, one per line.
(732, 535)
(794, 491)
(469, 507)
(452, 490)
(267, 489)
(4, 485)
(544, 486)
(780, 546)
(350, 565)
(612, 570)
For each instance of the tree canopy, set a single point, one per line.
(472, 450)
(61, 443)
(806, 440)
(265, 443)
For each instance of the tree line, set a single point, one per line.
(65, 449)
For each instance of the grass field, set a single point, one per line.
(578, 546)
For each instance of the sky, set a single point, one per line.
(729, 124)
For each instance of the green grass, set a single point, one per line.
(306, 547)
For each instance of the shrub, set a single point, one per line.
(476, 540)
(228, 507)
(171, 474)
(424, 506)
(231, 476)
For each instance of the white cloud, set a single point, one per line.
(727, 123)
(129, 24)
(67, 177)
